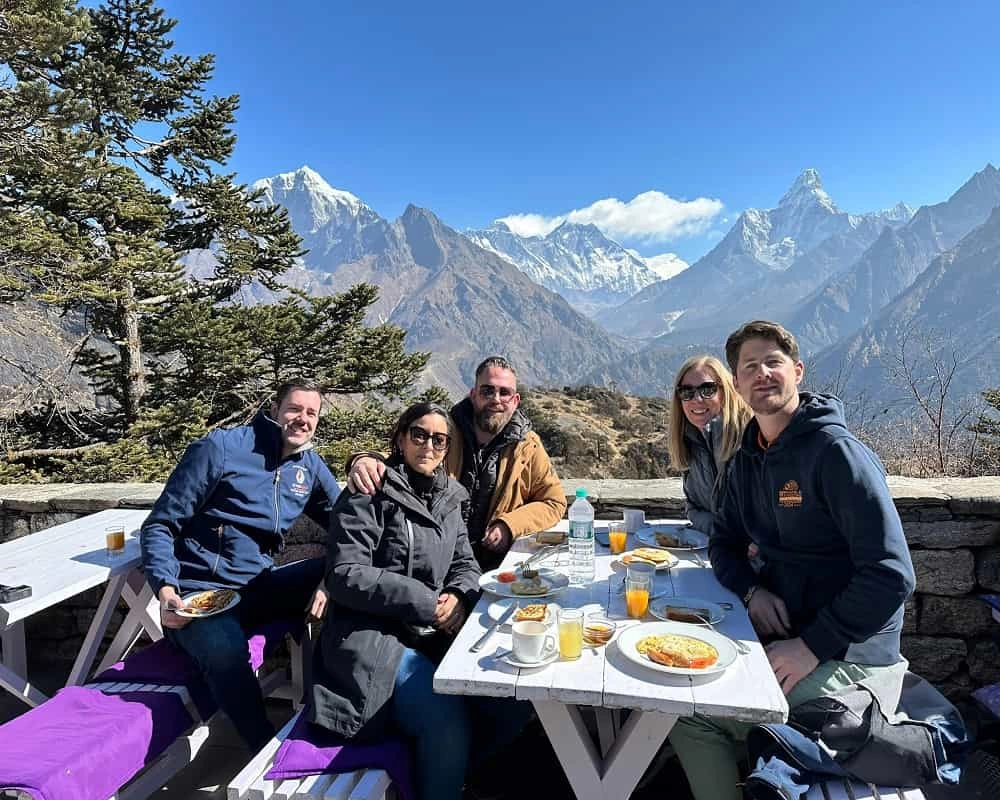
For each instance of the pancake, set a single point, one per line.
(529, 586)
(653, 555)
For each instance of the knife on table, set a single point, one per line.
(492, 627)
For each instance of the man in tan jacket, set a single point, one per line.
(513, 489)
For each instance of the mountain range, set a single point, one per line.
(850, 285)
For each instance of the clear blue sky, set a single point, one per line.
(483, 110)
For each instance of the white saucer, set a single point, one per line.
(509, 658)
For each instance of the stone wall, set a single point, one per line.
(952, 526)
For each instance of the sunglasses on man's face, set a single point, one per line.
(488, 392)
(703, 390)
(439, 441)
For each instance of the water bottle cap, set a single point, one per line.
(581, 492)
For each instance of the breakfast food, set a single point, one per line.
(597, 633)
(529, 586)
(651, 554)
(697, 616)
(507, 577)
(534, 611)
(209, 602)
(673, 650)
(551, 537)
(667, 540)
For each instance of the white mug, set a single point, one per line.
(532, 642)
(635, 518)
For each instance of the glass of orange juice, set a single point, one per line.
(570, 633)
(617, 537)
(638, 584)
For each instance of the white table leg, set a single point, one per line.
(574, 748)
(617, 775)
(95, 633)
(14, 669)
(143, 616)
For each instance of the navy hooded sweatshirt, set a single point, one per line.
(227, 506)
(817, 504)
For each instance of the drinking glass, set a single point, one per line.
(570, 633)
(114, 540)
(617, 537)
(638, 584)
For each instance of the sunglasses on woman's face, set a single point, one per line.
(439, 441)
(703, 390)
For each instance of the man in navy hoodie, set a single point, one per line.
(224, 511)
(814, 500)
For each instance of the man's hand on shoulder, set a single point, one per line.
(170, 600)
(317, 606)
(791, 660)
(769, 614)
(366, 475)
(498, 537)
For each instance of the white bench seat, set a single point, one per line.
(250, 784)
(839, 790)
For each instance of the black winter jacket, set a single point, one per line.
(389, 558)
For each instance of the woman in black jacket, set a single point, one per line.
(707, 418)
(401, 576)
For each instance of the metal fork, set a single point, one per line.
(742, 648)
(701, 562)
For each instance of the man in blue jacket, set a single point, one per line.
(829, 600)
(224, 511)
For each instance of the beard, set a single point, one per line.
(492, 422)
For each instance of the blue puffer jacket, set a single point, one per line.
(228, 505)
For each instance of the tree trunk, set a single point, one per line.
(130, 348)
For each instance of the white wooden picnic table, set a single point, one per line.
(61, 562)
(607, 681)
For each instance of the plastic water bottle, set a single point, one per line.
(581, 539)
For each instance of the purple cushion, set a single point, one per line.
(43, 753)
(309, 750)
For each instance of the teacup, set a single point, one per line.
(532, 642)
(635, 518)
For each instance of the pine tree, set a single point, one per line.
(111, 173)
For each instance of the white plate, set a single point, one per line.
(555, 580)
(180, 612)
(619, 565)
(716, 613)
(628, 639)
(690, 538)
(509, 658)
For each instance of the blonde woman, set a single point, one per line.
(707, 417)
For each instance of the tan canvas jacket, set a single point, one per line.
(529, 496)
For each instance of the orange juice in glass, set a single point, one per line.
(617, 537)
(638, 583)
(637, 601)
(570, 633)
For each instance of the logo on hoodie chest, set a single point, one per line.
(789, 495)
(299, 485)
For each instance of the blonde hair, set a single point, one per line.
(734, 413)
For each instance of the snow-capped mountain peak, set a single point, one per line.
(325, 203)
(807, 189)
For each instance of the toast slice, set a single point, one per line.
(535, 612)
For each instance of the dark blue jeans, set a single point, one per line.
(218, 644)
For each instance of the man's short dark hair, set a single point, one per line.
(499, 362)
(295, 385)
(760, 329)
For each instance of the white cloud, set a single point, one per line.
(648, 217)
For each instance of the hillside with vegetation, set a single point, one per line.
(593, 432)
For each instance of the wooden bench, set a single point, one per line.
(853, 790)
(189, 731)
(250, 783)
